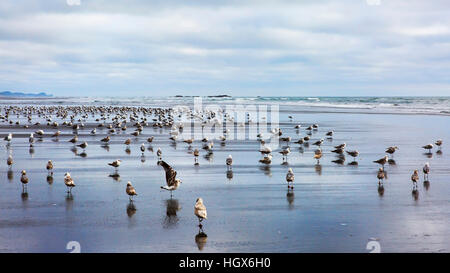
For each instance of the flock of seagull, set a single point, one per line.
(117, 119)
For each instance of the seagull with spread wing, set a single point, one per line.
(171, 180)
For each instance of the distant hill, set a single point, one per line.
(24, 95)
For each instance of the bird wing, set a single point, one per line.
(170, 173)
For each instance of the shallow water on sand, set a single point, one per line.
(333, 208)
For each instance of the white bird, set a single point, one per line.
(229, 162)
(142, 148)
(8, 137)
(290, 178)
(426, 171)
(68, 181)
(31, 139)
(200, 211)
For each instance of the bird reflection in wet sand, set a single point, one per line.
(49, 179)
(290, 197)
(200, 239)
(31, 151)
(266, 169)
(24, 196)
(172, 207)
(392, 162)
(131, 209)
(380, 190)
(10, 175)
(230, 174)
(318, 169)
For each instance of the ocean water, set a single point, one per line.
(388, 105)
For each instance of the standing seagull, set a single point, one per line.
(159, 154)
(200, 211)
(426, 171)
(428, 147)
(83, 145)
(74, 139)
(391, 150)
(24, 180)
(171, 180)
(69, 182)
(142, 148)
(290, 178)
(131, 191)
(415, 179)
(229, 162)
(380, 176)
(196, 154)
(438, 143)
(115, 163)
(31, 139)
(382, 161)
(50, 167)
(318, 155)
(8, 138)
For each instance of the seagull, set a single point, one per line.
(188, 141)
(285, 152)
(159, 153)
(74, 139)
(415, 178)
(391, 150)
(56, 134)
(380, 176)
(196, 154)
(318, 155)
(115, 163)
(150, 139)
(298, 126)
(265, 150)
(83, 145)
(290, 178)
(438, 143)
(382, 161)
(94, 131)
(8, 137)
(24, 179)
(428, 147)
(353, 154)
(142, 148)
(426, 171)
(39, 133)
(131, 191)
(319, 142)
(50, 167)
(200, 211)
(340, 146)
(69, 182)
(267, 159)
(329, 134)
(105, 139)
(127, 142)
(31, 140)
(171, 180)
(229, 162)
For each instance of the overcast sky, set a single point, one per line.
(207, 47)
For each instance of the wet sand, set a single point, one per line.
(333, 208)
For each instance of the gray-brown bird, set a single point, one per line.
(380, 176)
(171, 180)
(131, 191)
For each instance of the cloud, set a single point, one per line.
(245, 47)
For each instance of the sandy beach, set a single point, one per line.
(332, 208)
